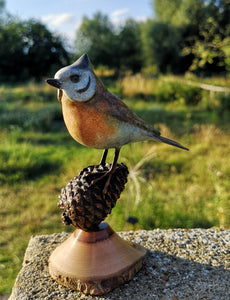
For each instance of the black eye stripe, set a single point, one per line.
(80, 91)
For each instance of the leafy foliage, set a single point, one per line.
(105, 46)
(28, 50)
(203, 27)
(97, 39)
(184, 35)
(163, 46)
(2, 5)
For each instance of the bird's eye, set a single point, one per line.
(75, 78)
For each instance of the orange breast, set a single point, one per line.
(87, 124)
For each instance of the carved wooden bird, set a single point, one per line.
(97, 118)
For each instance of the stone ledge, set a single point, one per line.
(181, 264)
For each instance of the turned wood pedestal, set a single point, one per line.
(95, 262)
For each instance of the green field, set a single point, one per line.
(167, 187)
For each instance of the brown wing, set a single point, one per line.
(119, 110)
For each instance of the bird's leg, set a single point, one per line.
(103, 159)
(111, 171)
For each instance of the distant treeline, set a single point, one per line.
(183, 35)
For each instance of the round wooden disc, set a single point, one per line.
(95, 262)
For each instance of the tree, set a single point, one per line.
(120, 50)
(11, 52)
(178, 12)
(161, 47)
(211, 43)
(44, 52)
(204, 26)
(29, 51)
(2, 5)
(129, 47)
(168, 11)
(96, 37)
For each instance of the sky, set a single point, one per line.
(65, 16)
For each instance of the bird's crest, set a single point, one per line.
(83, 62)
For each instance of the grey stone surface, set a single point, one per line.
(181, 264)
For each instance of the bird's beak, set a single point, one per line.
(54, 82)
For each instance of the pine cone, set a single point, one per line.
(83, 203)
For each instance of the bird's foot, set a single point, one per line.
(110, 172)
(105, 189)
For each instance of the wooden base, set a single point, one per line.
(95, 262)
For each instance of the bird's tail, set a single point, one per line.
(170, 142)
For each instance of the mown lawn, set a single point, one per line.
(167, 187)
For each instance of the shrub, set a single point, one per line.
(172, 91)
(224, 106)
(191, 95)
(166, 92)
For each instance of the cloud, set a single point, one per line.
(58, 19)
(119, 13)
(118, 16)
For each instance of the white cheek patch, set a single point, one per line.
(81, 90)
(84, 89)
(87, 90)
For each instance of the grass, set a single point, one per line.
(166, 188)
